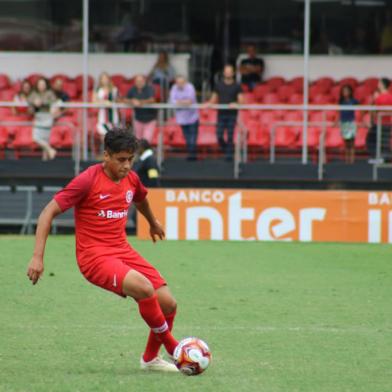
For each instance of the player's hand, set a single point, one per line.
(157, 230)
(35, 269)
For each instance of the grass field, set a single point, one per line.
(281, 317)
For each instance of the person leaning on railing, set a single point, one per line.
(41, 101)
(229, 92)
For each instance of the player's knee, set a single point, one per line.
(146, 290)
(169, 305)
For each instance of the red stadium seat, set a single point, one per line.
(271, 99)
(71, 89)
(258, 136)
(208, 116)
(285, 136)
(351, 81)
(326, 82)
(362, 92)
(296, 99)
(285, 92)
(79, 82)
(371, 83)
(333, 138)
(5, 112)
(207, 136)
(267, 118)
(260, 90)
(360, 138)
(61, 136)
(124, 88)
(23, 137)
(298, 84)
(3, 137)
(7, 95)
(322, 99)
(294, 115)
(318, 89)
(275, 82)
(4, 82)
(313, 137)
(249, 98)
(118, 79)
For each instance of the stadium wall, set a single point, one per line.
(19, 64)
(271, 215)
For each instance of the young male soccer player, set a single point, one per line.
(101, 196)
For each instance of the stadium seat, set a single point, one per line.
(258, 136)
(3, 137)
(79, 82)
(320, 117)
(293, 115)
(318, 89)
(298, 84)
(207, 136)
(7, 95)
(124, 88)
(322, 99)
(271, 99)
(23, 137)
(260, 90)
(275, 82)
(249, 98)
(5, 112)
(360, 138)
(208, 116)
(313, 137)
(333, 138)
(371, 83)
(267, 118)
(285, 92)
(326, 82)
(351, 81)
(285, 136)
(4, 82)
(296, 99)
(118, 79)
(335, 92)
(362, 92)
(71, 89)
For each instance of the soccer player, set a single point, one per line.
(101, 196)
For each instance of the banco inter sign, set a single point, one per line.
(272, 215)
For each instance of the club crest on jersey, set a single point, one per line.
(129, 196)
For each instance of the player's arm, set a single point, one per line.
(156, 228)
(35, 268)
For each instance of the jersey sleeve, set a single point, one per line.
(140, 189)
(75, 191)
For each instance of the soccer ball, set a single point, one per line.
(192, 356)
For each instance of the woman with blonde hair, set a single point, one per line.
(106, 93)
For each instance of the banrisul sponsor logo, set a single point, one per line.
(110, 214)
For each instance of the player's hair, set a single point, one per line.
(120, 139)
(385, 82)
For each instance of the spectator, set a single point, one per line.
(227, 92)
(22, 97)
(252, 68)
(41, 100)
(106, 93)
(382, 97)
(183, 94)
(348, 127)
(145, 120)
(146, 166)
(162, 73)
(58, 90)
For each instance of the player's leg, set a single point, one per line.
(141, 289)
(169, 306)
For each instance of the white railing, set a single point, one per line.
(240, 153)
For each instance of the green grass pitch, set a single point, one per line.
(281, 317)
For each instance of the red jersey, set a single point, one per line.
(101, 209)
(384, 99)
